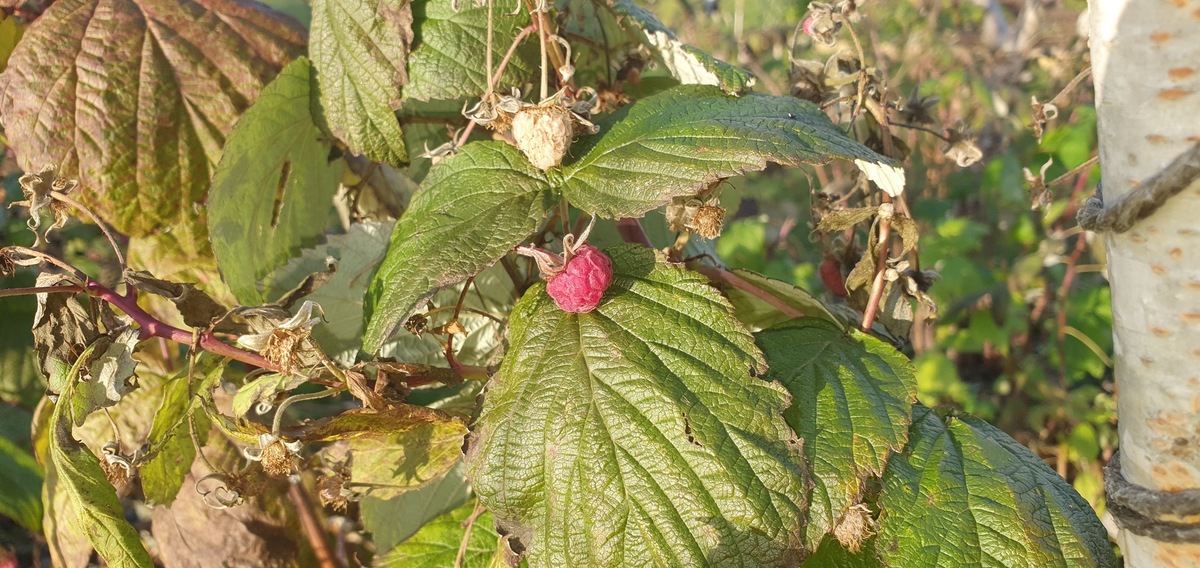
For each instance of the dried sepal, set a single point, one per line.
(1042, 114)
(918, 110)
(37, 189)
(1039, 193)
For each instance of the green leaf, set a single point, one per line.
(271, 193)
(598, 423)
(396, 450)
(620, 30)
(263, 389)
(450, 57)
(852, 399)
(135, 97)
(172, 452)
(964, 493)
(758, 313)
(689, 65)
(471, 211)
(831, 554)
(21, 478)
(436, 544)
(99, 513)
(682, 140)
(359, 48)
(392, 521)
(493, 292)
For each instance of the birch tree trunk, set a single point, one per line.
(1146, 65)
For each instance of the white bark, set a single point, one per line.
(1146, 65)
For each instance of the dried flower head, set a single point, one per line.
(961, 146)
(855, 526)
(709, 221)
(38, 190)
(118, 469)
(702, 217)
(274, 453)
(333, 491)
(290, 345)
(824, 21)
(543, 132)
(809, 81)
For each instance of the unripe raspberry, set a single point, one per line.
(543, 133)
(582, 282)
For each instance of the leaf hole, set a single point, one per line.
(687, 431)
(277, 208)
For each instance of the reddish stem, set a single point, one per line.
(885, 233)
(150, 326)
(631, 231)
(312, 527)
(721, 275)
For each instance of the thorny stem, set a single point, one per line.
(631, 231)
(95, 219)
(465, 309)
(312, 527)
(1077, 170)
(939, 135)
(148, 325)
(719, 274)
(48, 258)
(1070, 87)
(462, 297)
(39, 290)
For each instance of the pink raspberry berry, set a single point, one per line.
(582, 282)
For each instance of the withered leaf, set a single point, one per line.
(907, 229)
(62, 328)
(89, 77)
(845, 218)
(198, 309)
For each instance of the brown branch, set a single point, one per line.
(312, 527)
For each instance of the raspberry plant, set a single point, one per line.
(646, 407)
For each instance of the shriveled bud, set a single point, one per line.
(544, 134)
(277, 460)
(708, 221)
